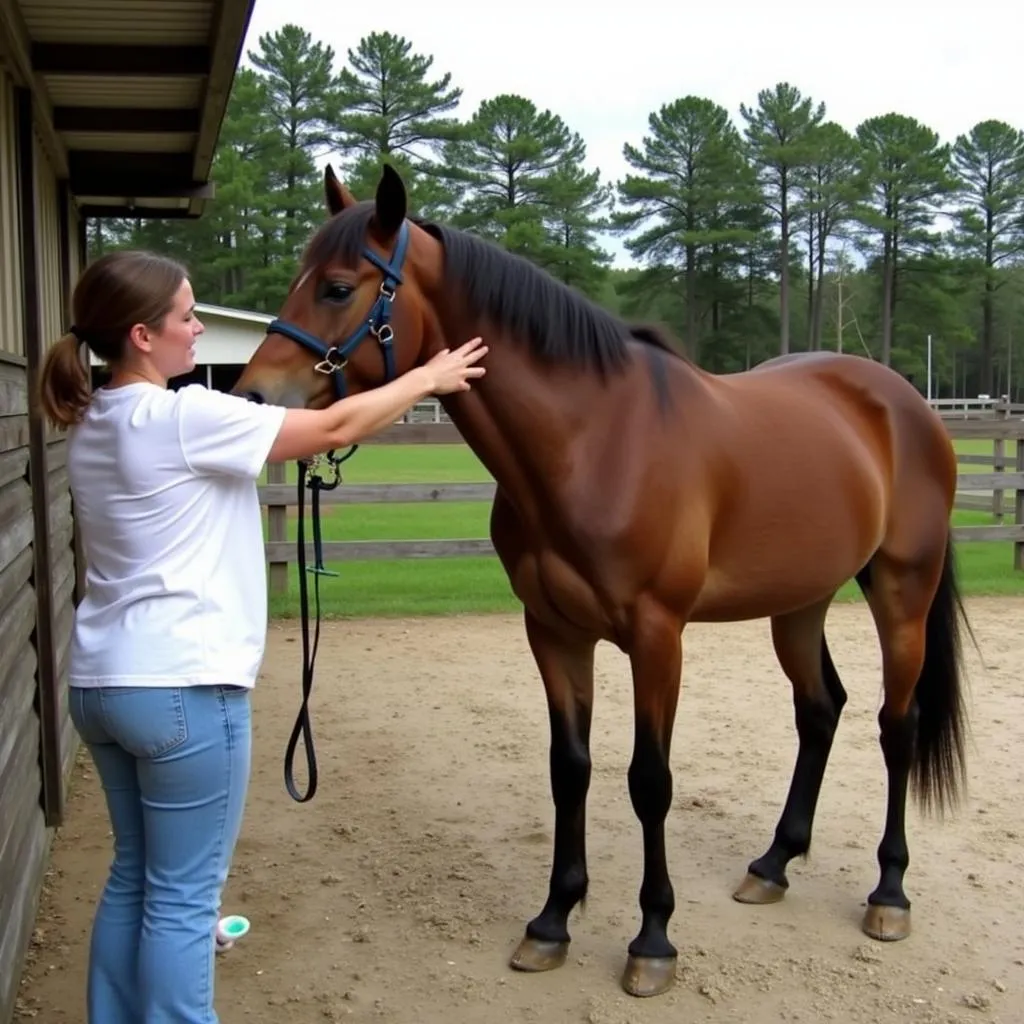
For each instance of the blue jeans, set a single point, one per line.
(174, 764)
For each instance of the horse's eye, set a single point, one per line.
(335, 291)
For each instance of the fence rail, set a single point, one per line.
(999, 491)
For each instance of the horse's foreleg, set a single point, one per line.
(818, 699)
(656, 658)
(567, 669)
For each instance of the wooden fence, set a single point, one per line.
(976, 491)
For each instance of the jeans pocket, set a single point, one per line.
(147, 721)
(82, 708)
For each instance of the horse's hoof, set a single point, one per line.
(886, 924)
(649, 976)
(536, 955)
(758, 890)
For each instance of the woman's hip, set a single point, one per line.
(161, 722)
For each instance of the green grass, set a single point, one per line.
(408, 464)
(444, 586)
(980, 447)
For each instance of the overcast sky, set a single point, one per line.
(604, 76)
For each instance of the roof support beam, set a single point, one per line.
(139, 175)
(125, 119)
(231, 22)
(77, 59)
(101, 212)
(131, 186)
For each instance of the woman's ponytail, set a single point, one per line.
(64, 387)
(120, 289)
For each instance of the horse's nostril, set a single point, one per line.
(252, 396)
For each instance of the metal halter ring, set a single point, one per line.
(328, 365)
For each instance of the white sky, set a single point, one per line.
(604, 76)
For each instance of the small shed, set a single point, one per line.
(107, 108)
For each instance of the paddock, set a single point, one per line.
(399, 892)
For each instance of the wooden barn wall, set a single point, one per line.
(37, 553)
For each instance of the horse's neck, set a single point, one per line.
(520, 417)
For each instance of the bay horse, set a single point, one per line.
(637, 492)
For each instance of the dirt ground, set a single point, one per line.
(398, 894)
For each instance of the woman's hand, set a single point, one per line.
(451, 371)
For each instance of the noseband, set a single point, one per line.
(334, 358)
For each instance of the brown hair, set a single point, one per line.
(114, 293)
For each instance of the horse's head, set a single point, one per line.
(354, 317)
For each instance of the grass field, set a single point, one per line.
(450, 585)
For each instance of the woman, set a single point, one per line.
(169, 636)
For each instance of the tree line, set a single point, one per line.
(778, 231)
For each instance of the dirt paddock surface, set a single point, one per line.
(399, 892)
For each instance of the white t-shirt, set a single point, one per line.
(164, 490)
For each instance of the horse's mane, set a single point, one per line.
(560, 324)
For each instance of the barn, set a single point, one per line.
(107, 108)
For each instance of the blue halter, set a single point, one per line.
(333, 358)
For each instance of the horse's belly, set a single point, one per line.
(782, 559)
(729, 598)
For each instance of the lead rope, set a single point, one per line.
(309, 477)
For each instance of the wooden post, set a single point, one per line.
(42, 575)
(1002, 411)
(66, 288)
(277, 530)
(1018, 503)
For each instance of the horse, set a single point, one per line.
(635, 493)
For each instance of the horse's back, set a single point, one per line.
(841, 449)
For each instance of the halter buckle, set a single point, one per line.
(387, 290)
(384, 334)
(331, 363)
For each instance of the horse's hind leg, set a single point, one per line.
(818, 698)
(915, 603)
(567, 669)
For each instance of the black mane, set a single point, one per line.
(561, 324)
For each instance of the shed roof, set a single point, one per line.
(131, 93)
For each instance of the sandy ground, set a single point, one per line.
(398, 893)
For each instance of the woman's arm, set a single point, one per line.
(307, 432)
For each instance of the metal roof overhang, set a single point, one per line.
(130, 95)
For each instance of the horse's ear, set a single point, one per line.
(391, 201)
(338, 196)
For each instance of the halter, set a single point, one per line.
(333, 359)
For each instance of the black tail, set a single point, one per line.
(939, 771)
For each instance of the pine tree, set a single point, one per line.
(390, 109)
(778, 139)
(989, 166)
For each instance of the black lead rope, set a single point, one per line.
(303, 728)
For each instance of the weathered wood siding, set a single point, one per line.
(37, 552)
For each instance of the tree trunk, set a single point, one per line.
(888, 295)
(811, 233)
(691, 299)
(987, 307)
(784, 265)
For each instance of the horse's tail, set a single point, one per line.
(938, 771)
